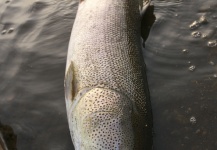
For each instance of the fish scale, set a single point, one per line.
(105, 56)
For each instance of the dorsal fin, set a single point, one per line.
(144, 4)
(68, 84)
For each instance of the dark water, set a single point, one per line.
(32, 66)
(183, 84)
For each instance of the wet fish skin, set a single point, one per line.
(106, 91)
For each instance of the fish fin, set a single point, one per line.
(144, 4)
(68, 85)
(147, 20)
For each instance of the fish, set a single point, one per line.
(106, 89)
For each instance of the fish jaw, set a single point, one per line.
(101, 119)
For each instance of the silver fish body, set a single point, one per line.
(106, 91)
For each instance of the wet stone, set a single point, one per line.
(204, 36)
(212, 63)
(4, 31)
(196, 34)
(194, 25)
(214, 17)
(193, 120)
(192, 68)
(212, 43)
(203, 20)
(185, 51)
(10, 30)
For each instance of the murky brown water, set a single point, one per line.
(181, 70)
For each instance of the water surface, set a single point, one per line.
(181, 68)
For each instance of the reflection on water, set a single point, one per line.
(181, 66)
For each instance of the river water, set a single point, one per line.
(180, 55)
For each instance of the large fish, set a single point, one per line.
(106, 90)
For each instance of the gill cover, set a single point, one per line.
(101, 120)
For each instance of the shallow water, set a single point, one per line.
(181, 73)
(32, 66)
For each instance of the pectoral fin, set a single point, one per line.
(68, 84)
(143, 6)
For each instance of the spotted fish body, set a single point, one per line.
(106, 91)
